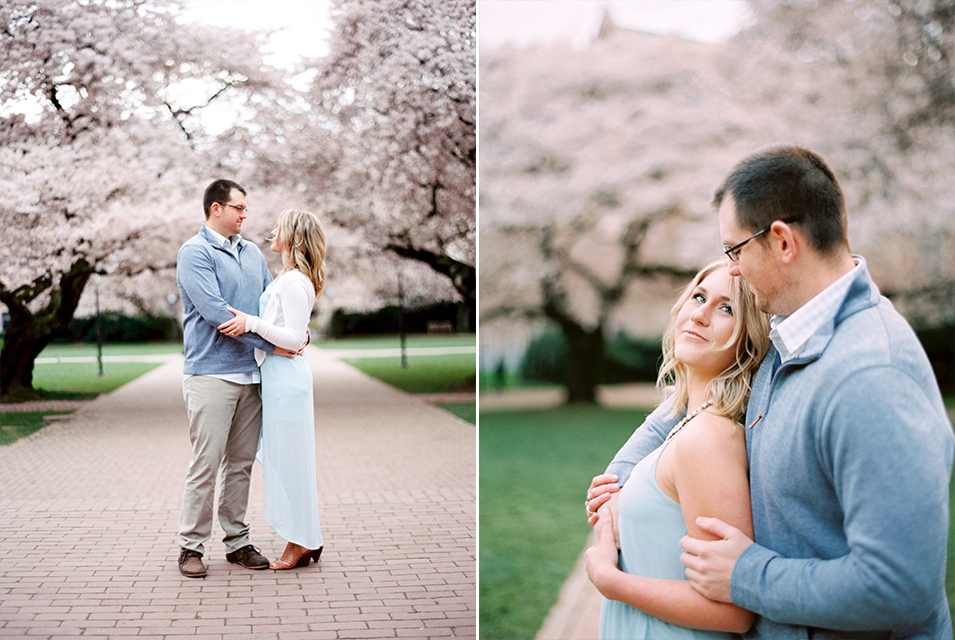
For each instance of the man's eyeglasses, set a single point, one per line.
(239, 209)
(733, 252)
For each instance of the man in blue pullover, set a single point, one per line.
(216, 269)
(849, 444)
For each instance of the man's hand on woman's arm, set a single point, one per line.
(602, 487)
(604, 490)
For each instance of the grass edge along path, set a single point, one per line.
(427, 375)
(424, 374)
(70, 382)
(467, 411)
(80, 381)
(76, 381)
(393, 341)
(19, 424)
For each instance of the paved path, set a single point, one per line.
(89, 509)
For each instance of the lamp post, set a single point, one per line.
(99, 327)
(173, 321)
(401, 321)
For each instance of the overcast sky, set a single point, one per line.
(523, 22)
(303, 25)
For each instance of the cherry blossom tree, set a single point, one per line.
(399, 86)
(594, 198)
(598, 165)
(875, 81)
(100, 141)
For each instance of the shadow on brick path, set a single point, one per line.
(90, 507)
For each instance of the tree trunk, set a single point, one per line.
(18, 356)
(585, 361)
(463, 322)
(31, 332)
(585, 350)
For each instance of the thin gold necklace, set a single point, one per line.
(703, 407)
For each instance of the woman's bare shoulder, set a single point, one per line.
(711, 433)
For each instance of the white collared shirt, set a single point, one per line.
(790, 333)
(229, 244)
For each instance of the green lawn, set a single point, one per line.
(424, 373)
(16, 425)
(464, 410)
(393, 341)
(535, 467)
(112, 349)
(79, 380)
(489, 382)
(535, 470)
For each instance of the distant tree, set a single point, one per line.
(874, 81)
(579, 147)
(899, 54)
(97, 145)
(582, 277)
(399, 85)
(592, 201)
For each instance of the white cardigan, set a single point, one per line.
(284, 322)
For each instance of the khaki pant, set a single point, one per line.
(224, 423)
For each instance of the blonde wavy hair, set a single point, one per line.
(304, 240)
(730, 390)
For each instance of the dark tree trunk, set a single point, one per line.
(30, 332)
(585, 356)
(464, 319)
(584, 363)
(17, 358)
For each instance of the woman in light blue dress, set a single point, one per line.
(287, 438)
(712, 348)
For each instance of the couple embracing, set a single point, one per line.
(794, 483)
(248, 386)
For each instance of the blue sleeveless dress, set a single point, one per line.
(287, 447)
(651, 526)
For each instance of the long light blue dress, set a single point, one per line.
(651, 526)
(287, 447)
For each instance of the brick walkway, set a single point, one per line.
(89, 509)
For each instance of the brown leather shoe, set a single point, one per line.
(190, 564)
(296, 556)
(249, 557)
